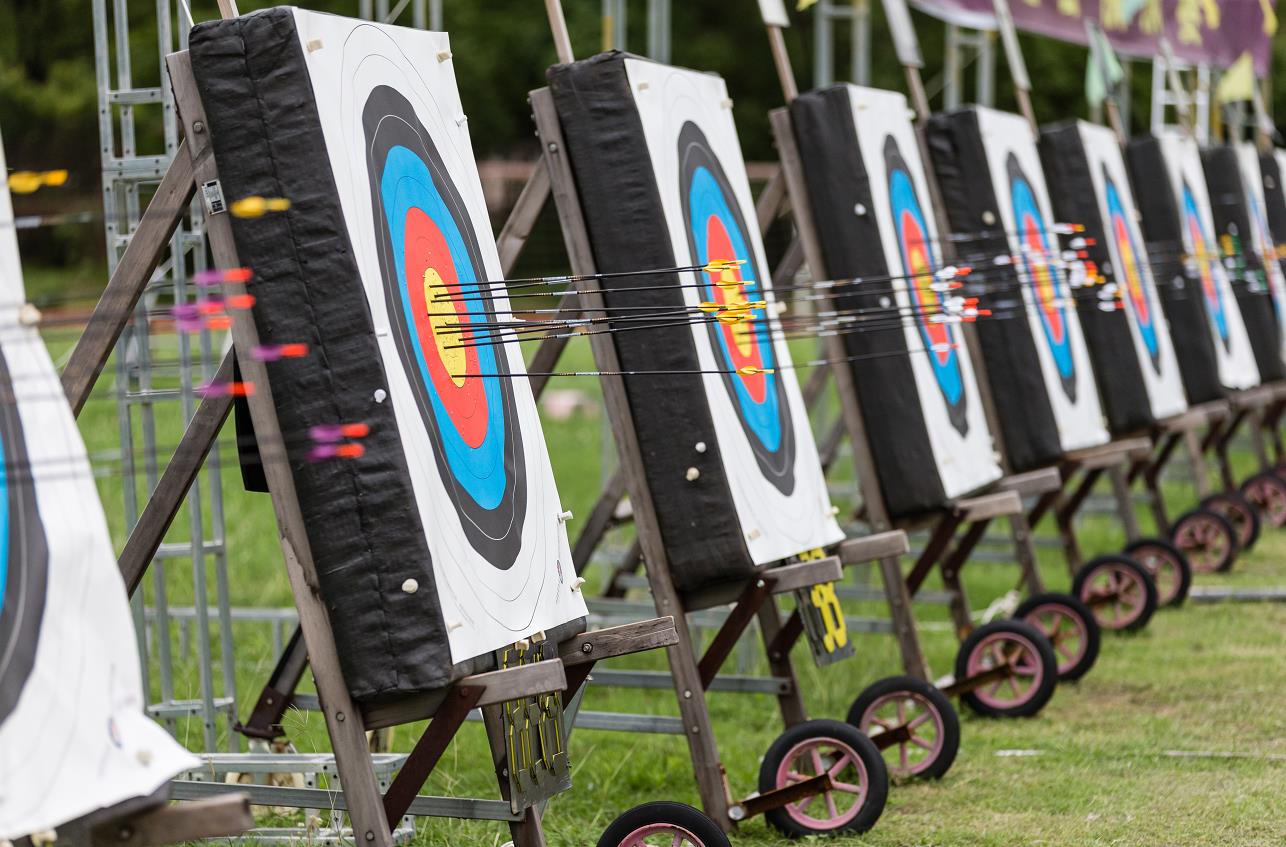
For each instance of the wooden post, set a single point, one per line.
(181, 471)
(781, 61)
(1017, 66)
(558, 28)
(711, 783)
(343, 719)
(141, 257)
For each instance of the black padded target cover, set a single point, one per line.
(1027, 423)
(1232, 219)
(1107, 334)
(1274, 200)
(838, 182)
(363, 525)
(1184, 309)
(603, 134)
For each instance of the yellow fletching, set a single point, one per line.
(718, 265)
(54, 179)
(24, 182)
(709, 306)
(750, 370)
(255, 206)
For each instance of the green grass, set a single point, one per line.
(1199, 679)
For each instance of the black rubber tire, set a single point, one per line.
(1227, 530)
(1183, 568)
(1229, 503)
(877, 788)
(1140, 576)
(1049, 666)
(1073, 608)
(948, 723)
(1274, 481)
(706, 831)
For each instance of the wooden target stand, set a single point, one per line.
(552, 668)
(692, 674)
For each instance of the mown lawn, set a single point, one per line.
(1101, 764)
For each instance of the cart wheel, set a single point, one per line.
(859, 779)
(1118, 590)
(1207, 539)
(1170, 570)
(921, 726)
(1266, 491)
(663, 823)
(1237, 509)
(1028, 657)
(1070, 627)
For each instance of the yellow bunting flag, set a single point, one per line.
(1238, 82)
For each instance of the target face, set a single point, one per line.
(1130, 273)
(432, 268)
(23, 555)
(716, 231)
(1207, 260)
(1042, 278)
(919, 267)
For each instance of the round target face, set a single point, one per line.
(428, 250)
(919, 267)
(716, 231)
(1207, 260)
(1042, 276)
(1129, 273)
(24, 558)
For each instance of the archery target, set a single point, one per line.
(770, 457)
(1132, 271)
(1237, 367)
(73, 735)
(1027, 220)
(944, 374)
(1261, 237)
(399, 148)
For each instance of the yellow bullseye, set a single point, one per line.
(443, 333)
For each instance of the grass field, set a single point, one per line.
(1178, 736)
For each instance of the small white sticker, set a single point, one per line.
(212, 194)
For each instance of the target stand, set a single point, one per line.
(748, 597)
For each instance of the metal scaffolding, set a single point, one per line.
(826, 15)
(156, 375)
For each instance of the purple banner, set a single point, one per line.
(1214, 32)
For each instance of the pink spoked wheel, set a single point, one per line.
(663, 823)
(912, 722)
(1266, 491)
(1008, 668)
(1070, 627)
(1118, 590)
(1170, 570)
(858, 779)
(1239, 512)
(1207, 539)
